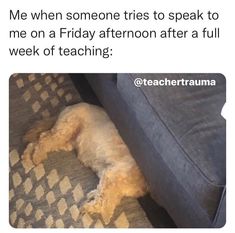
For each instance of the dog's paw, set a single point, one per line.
(28, 152)
(36, 159)
(89, 207)
(94, 206)
(38, 155)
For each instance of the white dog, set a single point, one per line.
(89, 130)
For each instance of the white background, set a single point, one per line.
(129, 56)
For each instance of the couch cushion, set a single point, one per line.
(185, 127)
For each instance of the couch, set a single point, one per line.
(177, 136)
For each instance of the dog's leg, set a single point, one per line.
(115, 183)
(28, 152)
(49, 142)
(106, 197)
(60, 137)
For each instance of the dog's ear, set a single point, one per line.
(32, 135)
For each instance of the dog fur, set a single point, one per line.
(89, 130)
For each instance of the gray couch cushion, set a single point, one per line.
(185, 127)
(166, 186)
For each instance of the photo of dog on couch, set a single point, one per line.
(117, 150)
